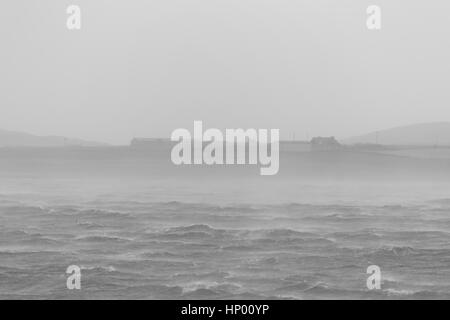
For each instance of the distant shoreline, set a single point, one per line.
(125, 162)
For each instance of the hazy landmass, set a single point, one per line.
(411, 159)
(424, 134)
(20, 139)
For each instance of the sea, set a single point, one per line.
(222, 237)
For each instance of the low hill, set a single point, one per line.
(20, 139)
(425, 134)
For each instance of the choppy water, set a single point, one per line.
(150, 249)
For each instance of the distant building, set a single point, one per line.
(325, 144)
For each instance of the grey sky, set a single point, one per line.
(147, 67)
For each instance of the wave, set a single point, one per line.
(103, 238)
(91, 225)
(99, 268)
(407, 251)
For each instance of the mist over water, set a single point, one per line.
(141, 228)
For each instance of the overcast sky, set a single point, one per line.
(147, 67)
